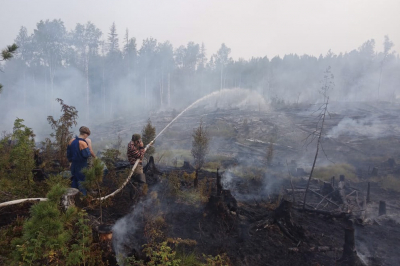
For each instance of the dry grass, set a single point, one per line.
(173, 157)
(390, 182)
(325, 173)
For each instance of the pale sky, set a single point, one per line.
(248, 27)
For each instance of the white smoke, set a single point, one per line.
(367, 127)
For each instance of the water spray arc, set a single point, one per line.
(8, 203)
(151, 142)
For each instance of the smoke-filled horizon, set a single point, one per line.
(105, 81)
(253, 28)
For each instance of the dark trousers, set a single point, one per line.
(77, 176)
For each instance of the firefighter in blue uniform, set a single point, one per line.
(78, 152)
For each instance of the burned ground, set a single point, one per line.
(246, 227)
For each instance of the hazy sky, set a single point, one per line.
(248, 27)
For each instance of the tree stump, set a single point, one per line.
(374, 171)
(327, 188)
(349, 255)
(219, 184)
(105, 238)
(71, 198)
(151, 168)
(187, 166)
(284, 212)
(391, 162)
(382, 207)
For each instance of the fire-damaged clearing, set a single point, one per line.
(269, 230)
(252, 209)
(341, 224)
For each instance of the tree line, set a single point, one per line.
(103, 79)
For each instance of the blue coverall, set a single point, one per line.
(78, 159)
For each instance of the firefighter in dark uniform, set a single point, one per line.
(78, 152)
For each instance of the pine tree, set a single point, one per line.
(53, 236)
(22, 152)
(93, 179)
(113, 40)
(62, 131)
(200, 148)
(7, 54)
(148, 134)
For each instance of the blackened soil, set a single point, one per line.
(250, 236)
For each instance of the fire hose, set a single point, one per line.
(129, 176)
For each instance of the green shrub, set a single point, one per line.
(52, 236)
(93, 180)
(174, 183)
(219, 260)
(7, 234)
(158, 254)
(188, 259)
(222, 129)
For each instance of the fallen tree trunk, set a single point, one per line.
(316, 249)
(297, 190)
(332, 214)
(13, 202)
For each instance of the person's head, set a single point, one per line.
(84, 131)
(136, 138)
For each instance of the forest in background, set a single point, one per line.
(90, 70)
